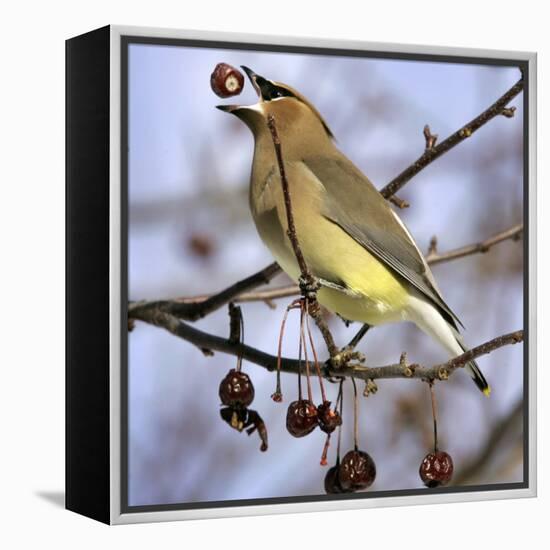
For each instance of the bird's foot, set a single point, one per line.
(309, 287)
(346, 355)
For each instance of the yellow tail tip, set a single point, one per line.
(487, 391)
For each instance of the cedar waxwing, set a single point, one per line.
(369, 267)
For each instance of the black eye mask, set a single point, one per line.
(271, 91)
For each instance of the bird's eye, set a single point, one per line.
(270, 91)
(276, 92)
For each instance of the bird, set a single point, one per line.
(366, 261)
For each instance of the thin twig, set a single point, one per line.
(429, 137)
(291, 231)
(358, 336)
(168, 313)
(432, 247)
(309, 284)
(400, 203)
(193, 310)
(196, 302)
(431, 154)
(317, 313)
(235, 323)
(514, 233)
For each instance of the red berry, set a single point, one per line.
(329, 419)
(226, 81)
(436, 469)
(332, 484)
(357, 471)
(277, 396)
(236, 389)
(301, 418)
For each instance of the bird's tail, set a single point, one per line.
(429, 320)
(474, 371)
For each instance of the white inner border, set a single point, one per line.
(115, 279)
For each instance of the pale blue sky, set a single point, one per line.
(189, 169)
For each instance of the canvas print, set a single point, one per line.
(325, 270)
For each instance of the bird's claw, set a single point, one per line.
(309, 287)
(345, 356)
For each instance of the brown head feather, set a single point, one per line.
(304, 100)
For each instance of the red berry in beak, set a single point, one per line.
(226, 81)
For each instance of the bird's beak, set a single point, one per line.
(253, 77)
(255, 80)
(228, 108)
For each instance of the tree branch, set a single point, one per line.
(437, 372)
(513, 233)
(193, 309)
(206, 341)
(435, 151)
(168, 313)
(196, 307)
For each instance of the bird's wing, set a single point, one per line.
(355, 205)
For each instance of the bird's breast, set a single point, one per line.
(373, 293)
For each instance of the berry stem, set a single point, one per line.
(434, 413)
(355, 415)
(241, 340)
(236, 330)
(300, 367)
(304, 343)
(316, 359)
(325, 451)
(341, 399)
(278, 395)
